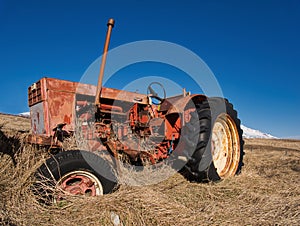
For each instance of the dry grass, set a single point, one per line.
(13, 123)
(266, 193)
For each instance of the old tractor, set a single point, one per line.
(193, 133)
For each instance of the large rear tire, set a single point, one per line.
(214, 138)
(76, 173)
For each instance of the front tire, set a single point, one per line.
(76, 173)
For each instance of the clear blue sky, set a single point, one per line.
(253, 48)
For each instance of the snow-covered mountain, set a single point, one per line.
(25, 114)
(252, 133)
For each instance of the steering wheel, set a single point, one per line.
(151, 90)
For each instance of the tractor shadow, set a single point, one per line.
(9, 145)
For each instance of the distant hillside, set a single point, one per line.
(11, 123)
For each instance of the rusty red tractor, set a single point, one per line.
(196, 134)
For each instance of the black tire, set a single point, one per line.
(65, 163)
(197, 134)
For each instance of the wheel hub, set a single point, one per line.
(80, 183)
(225, 146)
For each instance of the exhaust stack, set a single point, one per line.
(110, 25)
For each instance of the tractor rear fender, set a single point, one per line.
(181, 104)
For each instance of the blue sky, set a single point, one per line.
(252, 47)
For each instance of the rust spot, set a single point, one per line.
(67, 119)
(187, 114)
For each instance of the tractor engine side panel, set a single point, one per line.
(37, 118)
(51, 102)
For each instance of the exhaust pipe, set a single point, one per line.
(110, 25)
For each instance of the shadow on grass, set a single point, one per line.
(9, 145)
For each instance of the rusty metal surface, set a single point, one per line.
(122, 95)
(35, 93)
(55, 104)
(180, 104)
(42, 140)
(80, 183)
(61, 109)
(69, 87)
(110, 26)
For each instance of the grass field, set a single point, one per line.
(266, 193)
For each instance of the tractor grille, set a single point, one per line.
(34, 93)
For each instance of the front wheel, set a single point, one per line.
(76, 173)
